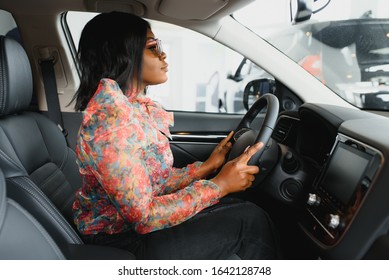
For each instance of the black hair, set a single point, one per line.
(111, 46)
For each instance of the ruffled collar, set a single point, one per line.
(160, 118)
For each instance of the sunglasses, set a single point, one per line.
(155, 45)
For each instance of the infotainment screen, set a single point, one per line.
(345, 169)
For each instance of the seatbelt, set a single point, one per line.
(50, 84)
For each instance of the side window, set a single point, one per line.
(198, 71)
(204, 76)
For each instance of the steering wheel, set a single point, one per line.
(245, 135)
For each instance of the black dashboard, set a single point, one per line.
(332, 168)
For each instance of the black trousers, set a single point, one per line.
(230, 227)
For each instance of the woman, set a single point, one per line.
(131, 196)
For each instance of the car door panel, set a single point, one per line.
(195, 135)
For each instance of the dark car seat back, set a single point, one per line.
(39, 167)
(21, 236)
(40, 171)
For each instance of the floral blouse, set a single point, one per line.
(126, 165)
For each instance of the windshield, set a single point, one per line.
(343, 43)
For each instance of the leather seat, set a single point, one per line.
(21, 236)
(40, 169)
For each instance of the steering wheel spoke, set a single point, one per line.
(246, 136)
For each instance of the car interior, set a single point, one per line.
(324, 168)
(41, 176)
(13, 218)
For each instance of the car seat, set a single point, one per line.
(40, 169)
(21, 236)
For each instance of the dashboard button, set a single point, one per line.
(334, 221)
(313, 199)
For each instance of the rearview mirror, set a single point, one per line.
(255, 89)
(301, 10)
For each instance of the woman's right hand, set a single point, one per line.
(236, 175)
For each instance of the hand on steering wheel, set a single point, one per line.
(236, 175)
(245, 135)
(217, 158)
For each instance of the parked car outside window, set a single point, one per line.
(198, 68)
(344, 46)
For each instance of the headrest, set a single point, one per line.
(15, 77)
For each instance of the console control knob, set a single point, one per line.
(313, 199)
(334, 221)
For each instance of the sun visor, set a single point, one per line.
(103, 6)
(203, 9)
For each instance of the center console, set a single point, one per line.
(338, 192)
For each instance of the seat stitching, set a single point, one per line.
(66, 152)
(58, 190)
(67, 202)
(55, 214)
(48, 179)
(11, 161)
(59, 187)
(3, 207)
(3, 79)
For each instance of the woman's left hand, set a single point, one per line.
(218, 156)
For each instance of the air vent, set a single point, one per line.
(282, 129)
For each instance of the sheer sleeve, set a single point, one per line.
(181, 177)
